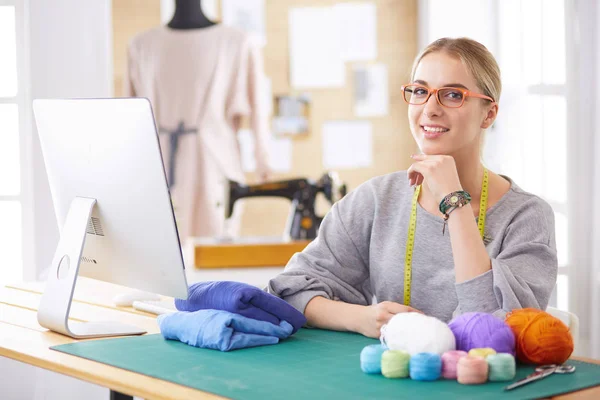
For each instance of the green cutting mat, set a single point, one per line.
(313, 364)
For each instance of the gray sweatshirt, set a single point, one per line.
(360, 249)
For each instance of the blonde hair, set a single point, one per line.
(475, 56)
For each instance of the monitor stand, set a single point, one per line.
(55, 304)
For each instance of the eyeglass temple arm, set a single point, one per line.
(481, 96)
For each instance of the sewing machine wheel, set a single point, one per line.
(333, 188)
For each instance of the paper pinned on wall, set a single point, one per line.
(371, 93)
(280, 152)
(247, 15)
(291, 115)
(358, 24)
(347, 144)
(315, 48)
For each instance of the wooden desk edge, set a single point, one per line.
(168, 387)
(168, 390)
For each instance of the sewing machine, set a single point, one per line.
(303, 223)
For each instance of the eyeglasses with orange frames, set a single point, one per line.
(450, 97)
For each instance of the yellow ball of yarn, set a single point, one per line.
(482, 352)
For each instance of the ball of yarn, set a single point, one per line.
(425, 366)
(417, 333)
(483, 353)
(502, 367)
(370, 358)
(472, 370)
(540, 337)
(450, 361)
(394, 364)
(478, 330)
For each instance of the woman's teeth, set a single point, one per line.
(434, 130)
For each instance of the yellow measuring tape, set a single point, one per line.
(483, 203)
(412, 226)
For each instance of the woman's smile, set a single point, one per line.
(431, 131)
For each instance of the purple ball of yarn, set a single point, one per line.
(476, 330)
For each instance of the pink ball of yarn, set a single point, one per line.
(450, 363)
(472, 370)
(479, 330)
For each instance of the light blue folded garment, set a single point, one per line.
(221, 330)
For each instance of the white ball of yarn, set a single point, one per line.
(415, 333)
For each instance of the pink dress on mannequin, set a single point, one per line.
(200, 83)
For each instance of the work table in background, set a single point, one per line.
(250, 252)
(252, 260)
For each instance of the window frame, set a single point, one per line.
(23, 101)
(542, 89)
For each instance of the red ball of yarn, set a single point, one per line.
(540, 337)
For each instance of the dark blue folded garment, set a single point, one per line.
(220, 330)
(243, 299)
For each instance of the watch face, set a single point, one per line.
(453, 200)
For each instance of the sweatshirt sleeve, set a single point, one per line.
(336, 264)
(524, 272)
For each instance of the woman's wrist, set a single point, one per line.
(447, 191)
(467, 209)
(337, 315)
(357, 318)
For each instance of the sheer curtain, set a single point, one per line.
(529, 140)
(545, 135)
(15, 197)
(583, 153)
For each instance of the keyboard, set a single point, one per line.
(156, 307)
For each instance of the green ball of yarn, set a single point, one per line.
(394, 364)
(502, 367)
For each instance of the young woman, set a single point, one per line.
(445, 237)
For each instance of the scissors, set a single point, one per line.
(541, 373)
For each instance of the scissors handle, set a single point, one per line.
(536, 376)
(565, 369)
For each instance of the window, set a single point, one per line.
(529, 139)
(11, 262)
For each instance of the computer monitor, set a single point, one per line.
(112, 205)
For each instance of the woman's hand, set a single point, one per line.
(377, 315)
(438, 172)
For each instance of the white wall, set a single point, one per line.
(584, 170)
(595, 262)
(23, 382)
(478, 23)
(70, 55)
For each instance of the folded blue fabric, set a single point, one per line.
(220, 330)
(243, 299)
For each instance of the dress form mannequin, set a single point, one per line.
(201, 78)
(189, 15)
